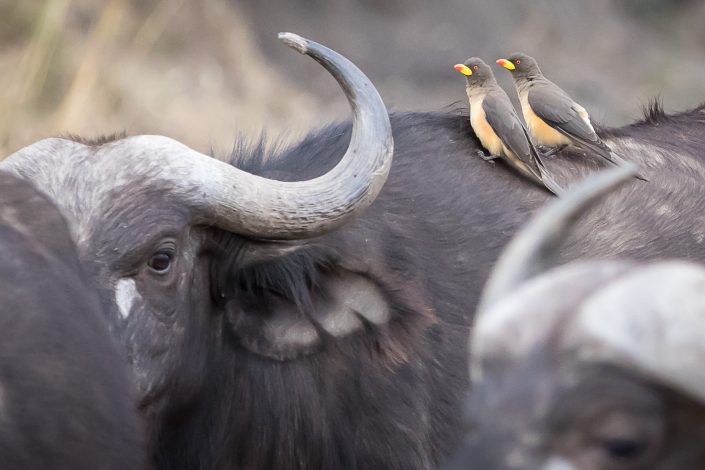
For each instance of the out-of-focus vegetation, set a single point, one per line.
(203, 70)
(612, 55)
(185, 69)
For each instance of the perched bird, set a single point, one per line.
(497, 124)
(553, 118)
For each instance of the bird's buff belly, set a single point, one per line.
(484, 132)
(541, 132)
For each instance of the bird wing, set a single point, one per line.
(554, 106)
(503, 119)
(559, 111)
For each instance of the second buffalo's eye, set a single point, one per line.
(624, 449)
(160, 261)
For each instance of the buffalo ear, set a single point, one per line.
(339, 305)
(306, 301)
(277, 330)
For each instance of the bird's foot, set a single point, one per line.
(485, 157)
(550, 152)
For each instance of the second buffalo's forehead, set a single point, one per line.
(640, 317)
(534, 316)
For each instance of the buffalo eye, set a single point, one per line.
(623, 449)
(160, 261)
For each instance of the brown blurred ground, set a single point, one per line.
(201, 71)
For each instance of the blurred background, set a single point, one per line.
(202, 71)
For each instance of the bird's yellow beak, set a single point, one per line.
(506, 64)
(464, 69)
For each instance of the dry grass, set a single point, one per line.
(188, 70)
(201, 70)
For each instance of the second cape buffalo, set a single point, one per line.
(271, 322)
(66, 397)
(605, 375)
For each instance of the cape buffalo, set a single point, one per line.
(271, 323)
(66, 400)
(606, 375)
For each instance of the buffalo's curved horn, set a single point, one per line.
(264, 208)
(532, 249)
(219, 194)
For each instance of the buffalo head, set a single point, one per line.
(593, 365)
(149, 217)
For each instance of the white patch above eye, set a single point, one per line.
(125, 295)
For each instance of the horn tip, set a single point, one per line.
(294, 41)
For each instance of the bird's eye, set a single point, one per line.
(475, 67)
(160, 261)
(518, 61)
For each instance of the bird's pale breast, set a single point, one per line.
(483, 130)
(541, 132)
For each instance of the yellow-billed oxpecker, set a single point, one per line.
(497, 125)
(554, 118)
